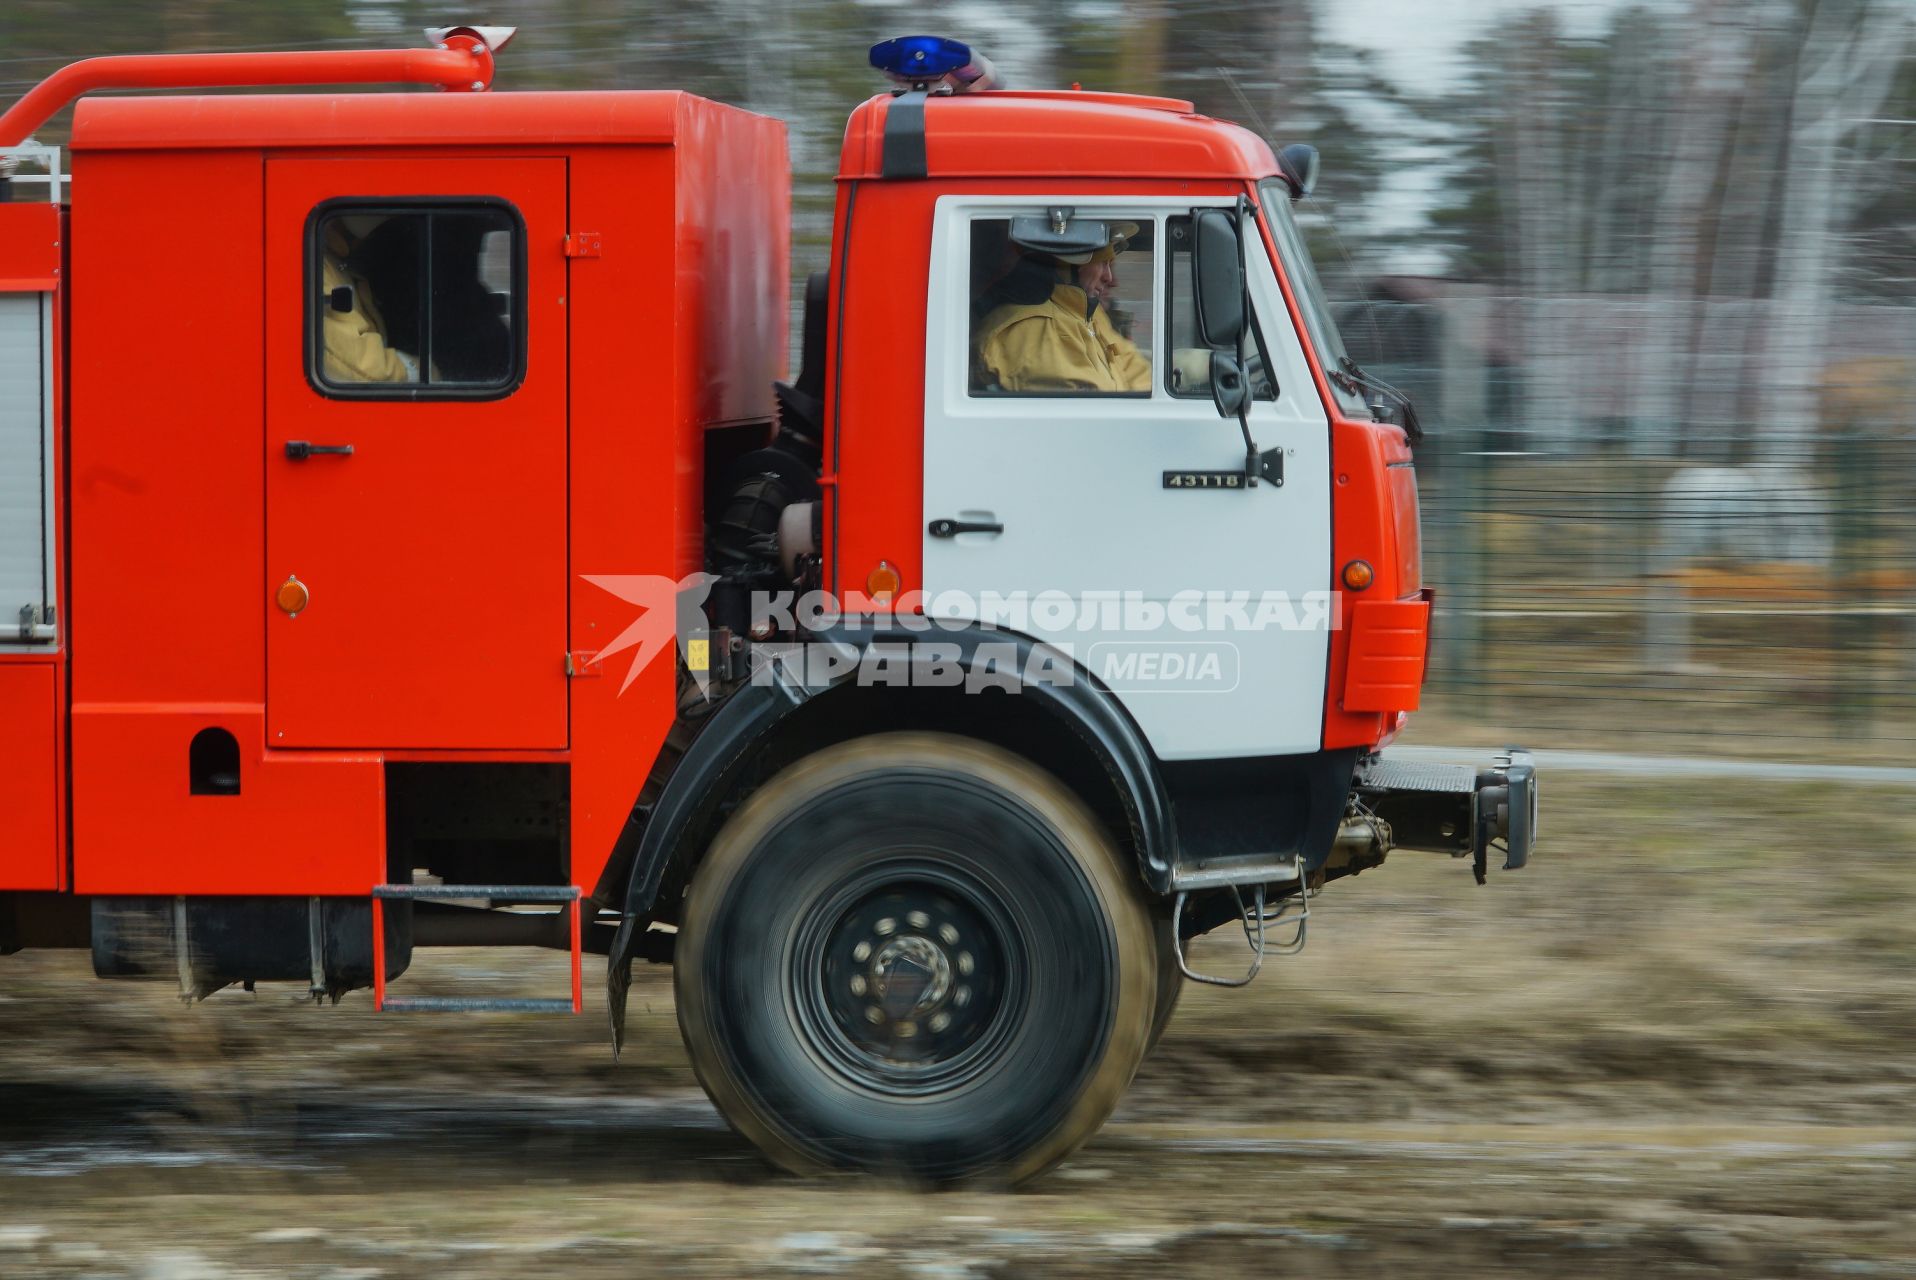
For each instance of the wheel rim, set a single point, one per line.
(908, 978)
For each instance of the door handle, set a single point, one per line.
(300, 450)
(945, 527)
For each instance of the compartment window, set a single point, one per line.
(1061, 305)
(416, 300)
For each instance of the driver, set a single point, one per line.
(1047, 325)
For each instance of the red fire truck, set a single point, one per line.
(405, 541)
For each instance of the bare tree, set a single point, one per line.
(1710, 71)
(1850, 53)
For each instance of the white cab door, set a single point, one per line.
(1204, 609)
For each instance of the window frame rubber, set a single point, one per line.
(317, 300)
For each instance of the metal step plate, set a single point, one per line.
(472, 1004)
(1250, 869)
(1405, 775)
(489, 892)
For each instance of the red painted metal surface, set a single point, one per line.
(687, 302)
(374, 122)
(166, 555)
(29, 247)
(1385, 667)
(436, 552)
(29, 787)
(1369, 469)
(302, 823)
(1062, 135)
(464, 64)
(165, 498)
(678, 323)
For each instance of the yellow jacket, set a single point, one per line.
(1060, 344)
(355, 341)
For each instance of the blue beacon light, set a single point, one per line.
(927, 60)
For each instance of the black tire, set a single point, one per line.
(830, 931)
(1170, 980)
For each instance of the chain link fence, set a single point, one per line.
(1661, 582)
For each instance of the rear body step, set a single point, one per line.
(492, 894)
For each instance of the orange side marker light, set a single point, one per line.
(292, 596)
(883, 582)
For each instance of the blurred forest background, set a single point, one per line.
(1648, 269)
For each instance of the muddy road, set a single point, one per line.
(1681, 1043)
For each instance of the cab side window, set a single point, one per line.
(1065, 312)
(1187, 370)
(416, 300)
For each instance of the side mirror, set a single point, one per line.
(1230, 392)
(1298, 163)
(1217, 279)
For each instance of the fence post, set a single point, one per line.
(1668, 618)
(1854, 541)
(1666, 624)
(1463, 630)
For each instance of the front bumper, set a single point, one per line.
(1455, 808)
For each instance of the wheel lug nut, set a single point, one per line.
(965, 963)
(862, 952)
(858, 984)
(940, 1021)
(873, 1014)
(918, 920)
(906, 1030)
(961, 997)
(886, 927)
(949, 934)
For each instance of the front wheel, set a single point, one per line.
(919, 954)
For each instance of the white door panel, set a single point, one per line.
(1077, 483)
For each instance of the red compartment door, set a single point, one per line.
(435, 554)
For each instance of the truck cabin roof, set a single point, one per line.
(1058, 134)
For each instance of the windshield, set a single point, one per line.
(1302, 273)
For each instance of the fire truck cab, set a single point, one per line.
(406, 540)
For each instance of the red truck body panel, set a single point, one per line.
(452, 550)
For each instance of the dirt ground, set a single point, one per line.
(1679, 1044)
